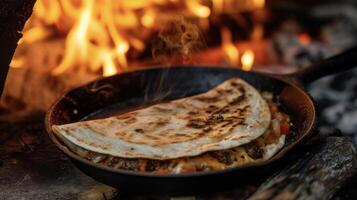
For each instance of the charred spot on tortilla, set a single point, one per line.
(214, 119)
(230, 121)
(208, 99)
(139, 130)
(207, 129)
(196, 123)
(130, 120)
(192, 112)
(237, 100)
(229, 90)
(161, 123)
(211, 109)
(161, 108)
(124, 116)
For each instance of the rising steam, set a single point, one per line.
(176, 41)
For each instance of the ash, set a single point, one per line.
(336, 96)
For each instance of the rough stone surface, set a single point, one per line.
(30, 165)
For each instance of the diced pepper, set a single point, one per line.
(270, 138)
(273, 108)
(284, 128)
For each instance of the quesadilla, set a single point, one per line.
(231, 122)
(231, 114)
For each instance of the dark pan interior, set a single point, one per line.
(128, 91)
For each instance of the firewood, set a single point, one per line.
(325, 167)
(13, 15)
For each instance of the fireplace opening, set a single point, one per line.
(67, 43)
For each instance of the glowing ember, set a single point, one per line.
(247, 60)
(198, 9)
(109, 68)
(304, 38)
(259, 3)
(148, 19)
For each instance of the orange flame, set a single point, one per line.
(109, 67)
(257, 33)
(247, 60)
(98, 35)
(76, 44)
(17, 62)
(35, 34)
(198, 9)
(218, 5)
(259, 3)
(48, 10)
(230, 50)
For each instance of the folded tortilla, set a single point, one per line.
(229, 115)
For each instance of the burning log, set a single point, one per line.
(13, 15)
(325, 167)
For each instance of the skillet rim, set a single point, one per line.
(286, 79)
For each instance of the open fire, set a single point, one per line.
(104, 37)
(67, 43)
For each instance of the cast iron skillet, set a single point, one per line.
(139, 88)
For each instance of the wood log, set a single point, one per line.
(13, 15)
(326, 166)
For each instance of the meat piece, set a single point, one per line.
(253, 150)
(225, 157)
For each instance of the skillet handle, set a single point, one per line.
(336, 64)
